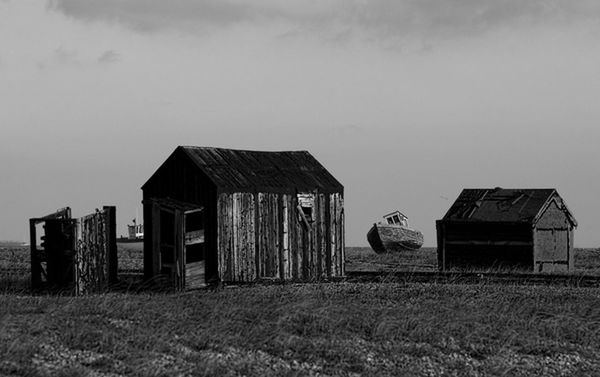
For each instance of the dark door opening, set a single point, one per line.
(179, 228)
(195, 268)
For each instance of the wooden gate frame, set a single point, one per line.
(95, 261)
(179, 210)
(75, 247)
(38, 256)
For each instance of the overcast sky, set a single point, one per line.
(405, 102)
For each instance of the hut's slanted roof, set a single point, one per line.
(232, 169)
(503, 205)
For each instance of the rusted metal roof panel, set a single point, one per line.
(500, 205)
(241, 170)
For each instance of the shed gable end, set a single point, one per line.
(553, 216)
(175, 177)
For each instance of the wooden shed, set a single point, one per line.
(213, 214)
(530, 229)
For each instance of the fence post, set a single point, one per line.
(111, 241)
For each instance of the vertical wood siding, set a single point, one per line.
(553, 240)
(286, 259)
(341, 235)
(571, 235)
(236, 229)
(95, 253)
(225, 237)
(333, 234)
(263, 235)
(320, 208)
(268, 235)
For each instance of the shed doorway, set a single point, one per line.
(179, 243)
(194, 250)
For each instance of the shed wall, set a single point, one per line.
(553, 237)
(267, 235)
(468, 245)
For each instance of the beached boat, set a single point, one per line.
(394, 234)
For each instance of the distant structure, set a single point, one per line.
(529, 229)
(135, 231)
(214, 214)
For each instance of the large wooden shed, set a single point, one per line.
(224, 215)
(529, 229)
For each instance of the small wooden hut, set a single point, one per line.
(529, 229)
(214, 214)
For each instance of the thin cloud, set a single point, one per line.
(154, 15)
(331, 19)
(465, 17)
(109, 56)
(66, 56)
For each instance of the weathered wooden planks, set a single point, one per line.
(195, 275)
(333, 234)
(194, 237)
(96, 254)
(286, 260)
(236, 232)
(274, 236)
(341, 235)
(268, 236)
(225, 237)
(321, 206)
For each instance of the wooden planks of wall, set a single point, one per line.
(263, 235)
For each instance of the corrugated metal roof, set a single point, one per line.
(503, 205)
(232, 169)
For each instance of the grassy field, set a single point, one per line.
(312, 329)
(587, 261)
(308, 329)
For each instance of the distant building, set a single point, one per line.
(135, 231)
(529, 229)
(214, 214)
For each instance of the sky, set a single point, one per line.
(405, 102)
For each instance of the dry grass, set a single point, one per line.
(587, 261)
(365, 259)
(131, 256)
(310, 329)
(339, 329)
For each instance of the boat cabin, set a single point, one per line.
(396, 218)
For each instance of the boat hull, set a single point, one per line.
(385, 238)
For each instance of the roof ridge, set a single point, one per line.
(234, 169)
(241, 150)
